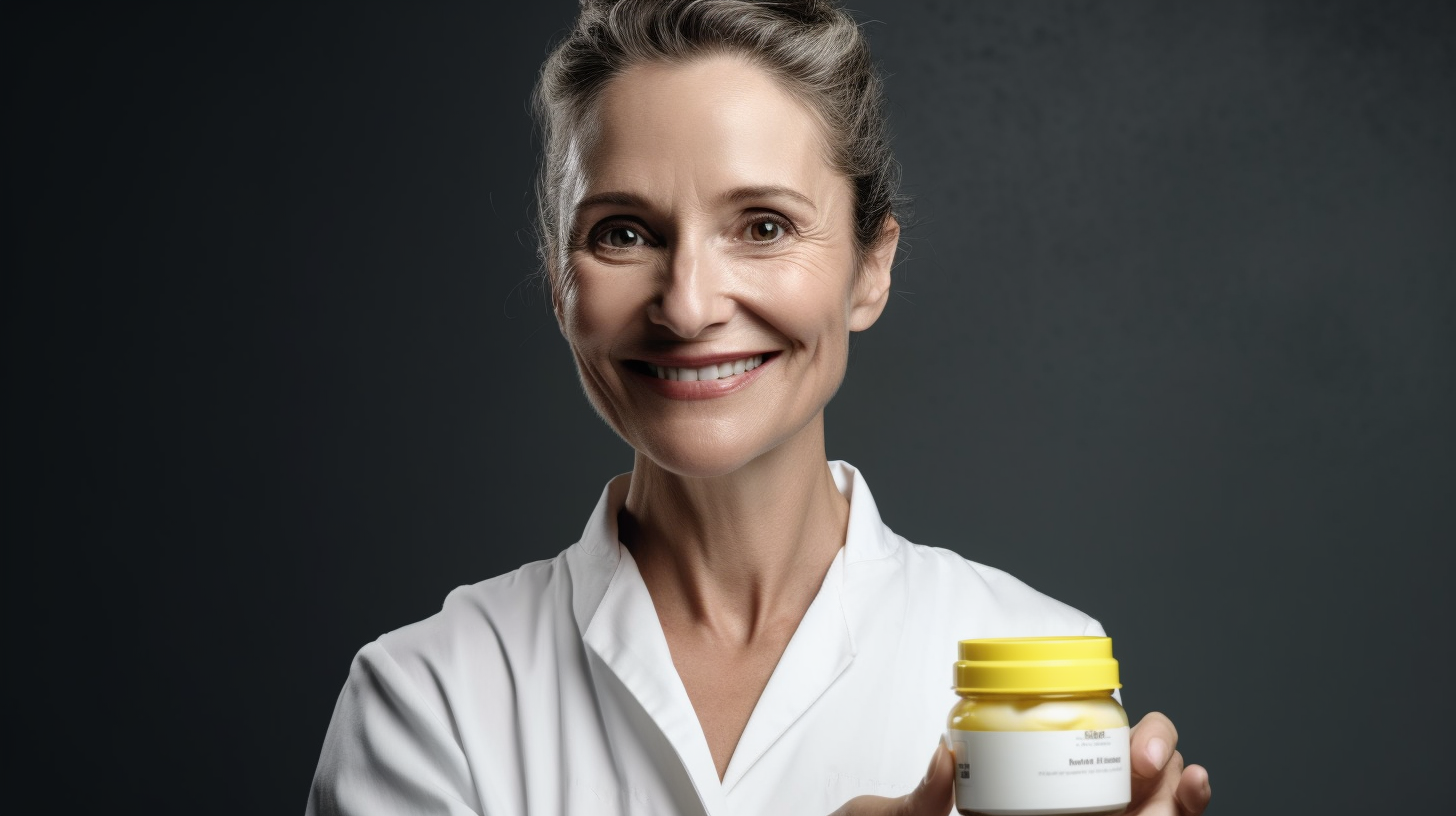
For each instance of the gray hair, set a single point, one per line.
(812, 47)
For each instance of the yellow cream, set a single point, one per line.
(1037, 730)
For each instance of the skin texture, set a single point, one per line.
(709, 223)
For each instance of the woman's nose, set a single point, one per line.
(692, 298)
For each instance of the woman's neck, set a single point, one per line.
(740, 554)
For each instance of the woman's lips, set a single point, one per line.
(702, 378)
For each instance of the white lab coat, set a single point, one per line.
(550, 690)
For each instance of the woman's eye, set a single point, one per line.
(622, 238)
(763, 232)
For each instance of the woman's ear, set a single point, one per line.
(872, 288)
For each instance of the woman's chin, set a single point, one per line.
(697, 465)
(698, 459)
(708, 449)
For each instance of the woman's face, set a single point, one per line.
(712, 286)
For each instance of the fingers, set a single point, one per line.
(935, 795)
(1193, 791)
(1154, 742)
(1156, 766)
(1160, 782)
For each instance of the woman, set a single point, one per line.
(736, 631)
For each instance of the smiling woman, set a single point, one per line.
(737, 631)
(713, 232)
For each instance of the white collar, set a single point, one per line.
(619, 623)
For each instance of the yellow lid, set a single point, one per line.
(1038, 665)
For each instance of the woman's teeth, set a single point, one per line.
(712, 372)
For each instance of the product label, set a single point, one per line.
(1054, 771)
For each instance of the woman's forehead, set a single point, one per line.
(703, 130)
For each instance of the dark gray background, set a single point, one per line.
(1175, 342)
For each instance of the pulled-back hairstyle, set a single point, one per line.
(813, 48)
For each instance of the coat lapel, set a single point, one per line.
(823, 645)
(620, 625)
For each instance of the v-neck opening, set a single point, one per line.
(626, 633)
(820, 649)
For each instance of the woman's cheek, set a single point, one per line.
(602, 301)
(810, 299)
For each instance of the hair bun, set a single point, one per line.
(810, 11)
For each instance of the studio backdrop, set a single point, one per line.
(1172, 339)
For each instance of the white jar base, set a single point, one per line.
(1092, 811)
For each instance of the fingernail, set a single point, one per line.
(1158, 752)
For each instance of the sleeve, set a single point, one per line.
(387, 752)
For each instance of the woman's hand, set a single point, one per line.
(1161, 785)
(934, 796)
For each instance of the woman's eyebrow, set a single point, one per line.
(741, 194)
(736, 195)
(614, 197)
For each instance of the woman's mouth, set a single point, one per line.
(720, 371)
(709, 380)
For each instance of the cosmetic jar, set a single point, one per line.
(1037, 730)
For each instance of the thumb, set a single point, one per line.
(934, 796)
